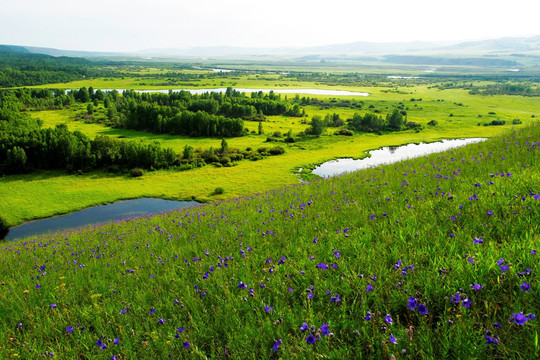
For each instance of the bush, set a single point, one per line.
(218, 191)
(516, 122)
(412, 125)
(344, 132)
(289, 140)
(137, 172)
(4, 229)
(278, 150)
(277, 134)
(432, 123)
(262, 150)
(495, 123)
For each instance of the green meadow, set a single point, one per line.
(432, 258)
(45, 193)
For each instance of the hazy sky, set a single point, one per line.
(127, 25)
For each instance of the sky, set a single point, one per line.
(131, 25)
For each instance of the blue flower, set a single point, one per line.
(369, 287)
(525, 287)
(393, 340)
(521, 319)
(422, 309)
(186, 344)
(476, 287)
(275, 347)
(368, 316)
(467, 303)
(325, 330)
(388, 319)
(102, 346)
(491, 340)
(304, 327)
(412, 303)
(311, 339)
(478, 240)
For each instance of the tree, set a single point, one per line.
(188, 152)
(16, 159)
(317, 126)
(395, 120)
(224, 146)
(4, 228)
(260, 128)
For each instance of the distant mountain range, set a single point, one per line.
(397, 52)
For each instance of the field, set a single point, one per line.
(431, 258)
(45, 193)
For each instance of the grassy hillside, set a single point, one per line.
(430, 258)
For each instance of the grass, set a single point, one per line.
(57, 193)
(238, 278)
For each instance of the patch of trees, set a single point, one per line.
(522, 89)
(25, 149)
(376, 124)
(25, 69)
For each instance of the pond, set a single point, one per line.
(387, 155)
(245, 90)
(97, 215)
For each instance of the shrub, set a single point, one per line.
(432, 123)
(495, 123)
(289, 139)
(516, 122)
(136, 172)
(278, 150)
(412, 125)
(262, 150)
(219, 191)
(4, 229)
(277, 134)
(344, 132)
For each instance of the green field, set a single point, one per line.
(46, 193)
(433, 258)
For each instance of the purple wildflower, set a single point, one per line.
(393, 340)
(412, 303)
(388, 319)
(69, 329)
(422, 309)
(275, 347)
(185, 345)
(520, 319)
(368, 316)
(466, 303)
(311, 339)
(492, 340)
(304, 327)
(476, 287)
(102, 346)
(325, 330)
(478, 240)
(525, 286)
(369, 287)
